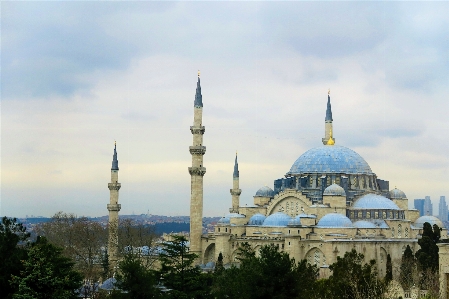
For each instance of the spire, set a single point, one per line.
(329, 109)
(198, 97)
(236, 167)
(114, 158)
(331, 140)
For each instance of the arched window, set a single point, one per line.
(399, 231)
(406, 232)
(317, 258)
(392, 232)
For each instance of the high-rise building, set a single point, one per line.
(419, 205)
(442, 209)
(428, 206)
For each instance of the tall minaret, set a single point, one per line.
(113, 208)
(328, 122)
(197, 171)
(235, 191)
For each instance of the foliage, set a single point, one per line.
(138, 281)
(389, 271)
(408, 271)
(82, 240)
(11, 234)
(178, 273)
(427, 255)
(46, 274)
(270, 275)
(351, 279)
(219, 265)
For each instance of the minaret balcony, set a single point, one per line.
(197, 171)
(197, 130)
(236, 191)
(197, 150)
(114, 208)
(114, 186)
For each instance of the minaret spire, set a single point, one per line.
(328, 123)
(235, 191)
(113, 208)
(197, 172)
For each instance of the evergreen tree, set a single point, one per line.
(427, 255)
(178, 273)
(389, 270)
(46, 274)
(137, 281)
(407, 269)
(11, 234)
(219, 265)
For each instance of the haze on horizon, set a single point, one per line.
(75, 76)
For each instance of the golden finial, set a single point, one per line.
(236, 152)
(329, 91)
(330, 141)
(115, 143)
(198, 73)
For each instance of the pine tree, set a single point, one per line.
(427, 255)
(407, 269)
(389, 271)
(219, 265)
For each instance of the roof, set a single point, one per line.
(397, 194)
(374, 201)
(265, 191)
(419, 223)
(334, 190)
(334, 220)
(257, 219)
(277, 219)
(330, 159)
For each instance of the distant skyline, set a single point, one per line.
(75, 76)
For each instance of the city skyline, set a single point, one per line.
(76, 76)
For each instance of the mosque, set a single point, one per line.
(328, 203)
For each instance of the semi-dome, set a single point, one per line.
(277, 219)
(334, 190)
(295, 221)
(265, 191)
(397, 194)
(334, 220)
(257, 219)
(374, 201)
(330, 159)
(364, 224)
(419, 223)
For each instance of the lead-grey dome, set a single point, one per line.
(227, 218)
(419, 223)
(397, 194)
(334, 190)
(330, 159)
(265, 191)
(277, 219)
(257, 219)
(374, 201)
(334, 220)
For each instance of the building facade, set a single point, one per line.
(442, 209)
(328, 203)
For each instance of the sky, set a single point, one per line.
(77, 76)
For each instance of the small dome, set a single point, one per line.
(334, 190)
(109, 284)
(364, 224)
(277, 219)
(265, 191)
(334, 220)
(374, 201)
(227, 218)
(257, 219)
(419, 223)
(397, 194)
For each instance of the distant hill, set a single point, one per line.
(168, 227)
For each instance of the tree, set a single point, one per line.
(351, 279)
(82, 240)
(408, 271)
(12, 234)
(46, 274)
(389, 271)
(134, 278)
(427, 255)
(219, 265)
(272, 274)
(178, 273)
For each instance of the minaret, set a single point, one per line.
(328, 122)
(113, 208)
(235, 191)
(197, 171)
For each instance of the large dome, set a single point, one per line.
(334, 220)
(330, 159)
(374, 201)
